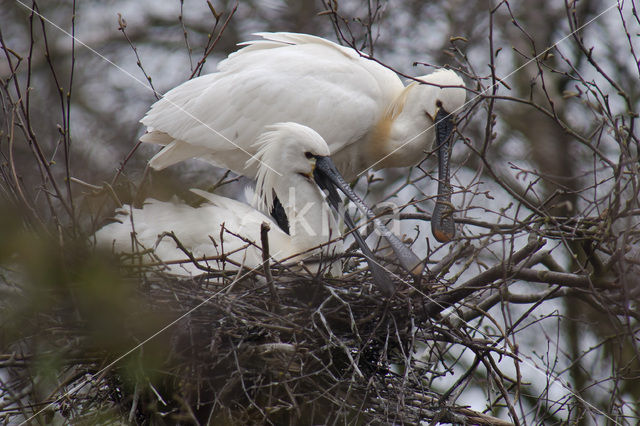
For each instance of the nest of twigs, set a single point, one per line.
(232, 348)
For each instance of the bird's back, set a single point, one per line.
(284, 77)
(197, 228)
(219, 226)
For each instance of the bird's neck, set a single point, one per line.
(311, 224)
(309, 216)
(401, 135)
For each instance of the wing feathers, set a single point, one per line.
(282, 77)
(175, 152)
(156, 137)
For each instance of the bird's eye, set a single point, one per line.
(308, 155)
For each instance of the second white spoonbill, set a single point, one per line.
(289, 158)
(369, 118)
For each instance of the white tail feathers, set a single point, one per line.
(175, 152)
(156, 137)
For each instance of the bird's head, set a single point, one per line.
(285, 150)
(444, 89)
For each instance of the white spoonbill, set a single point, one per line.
(369, 118)
(289, 157)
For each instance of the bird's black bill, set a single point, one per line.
(328, 177)
(380, 276)
(442, 224)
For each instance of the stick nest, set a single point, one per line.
(230, 348)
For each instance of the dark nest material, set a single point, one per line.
(281, 347)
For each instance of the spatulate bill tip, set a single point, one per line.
(417, 270)
(442, 235)
(383, 282)
(442, 223)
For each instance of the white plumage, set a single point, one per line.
(288, 148)
(368, 117)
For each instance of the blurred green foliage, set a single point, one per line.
(69, 310)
